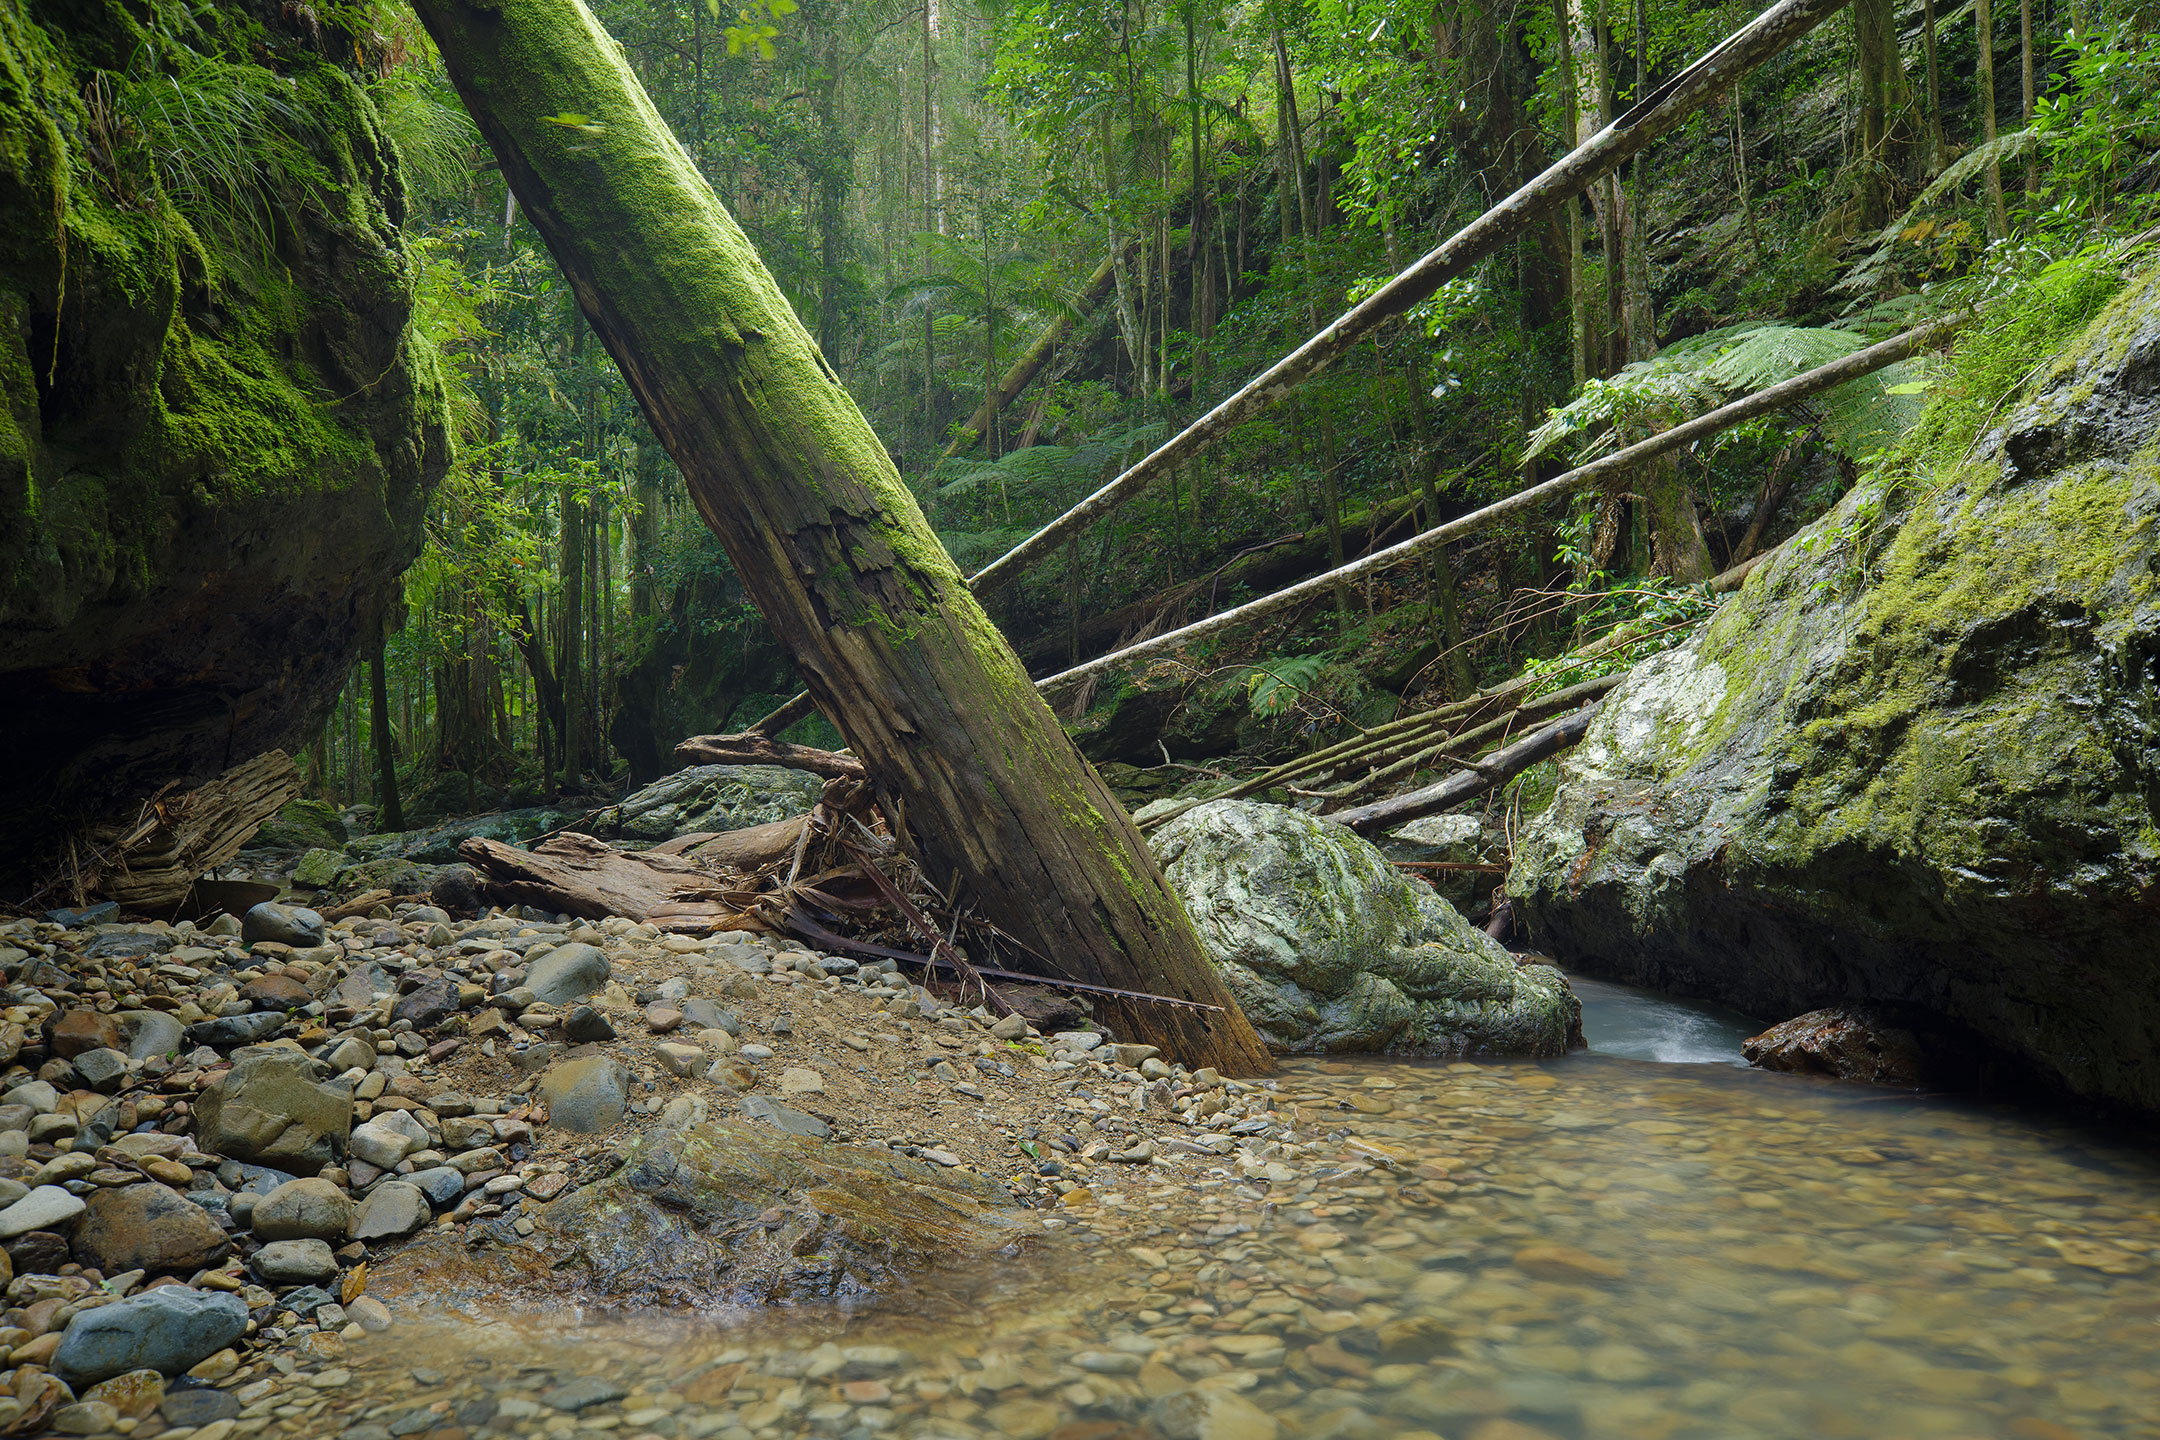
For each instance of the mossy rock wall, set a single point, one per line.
(1917, 769)
(211, 471)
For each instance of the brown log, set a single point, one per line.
(589, 878)
(1489, 773)
(752, 748)
(830, 544)
(359, 905)
(749, 849)
(151, 863)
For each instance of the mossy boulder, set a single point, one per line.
(1917, 768)
(303, 825)
(712, 798)
(1328, 947)
(216, 439)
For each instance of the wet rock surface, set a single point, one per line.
(707, 798)
(1329, 948)
(1928, 786)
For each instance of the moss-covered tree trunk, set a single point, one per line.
(826, 538)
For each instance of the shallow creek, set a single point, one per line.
(1603, 1246)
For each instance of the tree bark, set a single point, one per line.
(390, 813)
(1984, 21)
(826, 537)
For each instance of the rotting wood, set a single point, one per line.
(578, 875)
(151, 863)
(1490, 773)
(1652, 116)
(752, 748)
(1762, 402)
(968, 762)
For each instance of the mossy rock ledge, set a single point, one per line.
(214, 452)
(1917, 769)
(1330, 949)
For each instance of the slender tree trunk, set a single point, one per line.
(1984, 22)
(390, 813)
(827, 539)
(569, 641)
(1676, 538)
(930, 214)
(1571, 120)
(1641, 318)
(2025, 76)
(1938, 150)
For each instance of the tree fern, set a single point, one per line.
(1691, 376)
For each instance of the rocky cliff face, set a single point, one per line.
(1917, 770)
(219, 426)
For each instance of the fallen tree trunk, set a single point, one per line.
(589, 878)
(1762, 402)
(967, 760)
(151, 865)
(1038, 355)
(1489, 773)
(752, 748)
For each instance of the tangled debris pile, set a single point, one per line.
(208, 1133)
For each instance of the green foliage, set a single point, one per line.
(1277, 686)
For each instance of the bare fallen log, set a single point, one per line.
(752, 747)
(1489, 773)
(578, 875)
(152, 863)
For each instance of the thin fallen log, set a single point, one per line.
(1651, 117)
(751, 848)
(1762, 402)
(1489, 773)
(751, 747)
(152, 863)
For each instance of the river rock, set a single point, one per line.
(147, 1227)
(150, 1032)
(311, 1209)
(427, 1006)
(586, 1096)
(708, 798)
(566, 973)
(1845, 1043)
(273, 1108)
(1913, 761)
(48, 1207)
(392, 1209)
(294, 1262)
(1328, 947)
(228, 1031)
(683, 1221)
(166, 1329)
(293, 925)
(81, 1030)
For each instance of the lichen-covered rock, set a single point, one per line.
(1916, 768)
(1328, 947)
(708, 798)
(215, 447)
(685, 1219)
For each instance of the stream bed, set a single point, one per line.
(1601, 1246)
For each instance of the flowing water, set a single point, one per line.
(1610, 1245)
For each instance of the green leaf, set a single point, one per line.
(571, 120)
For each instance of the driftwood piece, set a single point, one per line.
(581, 876)
(1489, 773)
(752, 748)
(747, 849)
(152, 863)
(359, 905)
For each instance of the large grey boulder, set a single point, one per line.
(274, 1108)
(1915, 763)
(1328, 947)
(166, 1329)
(708, 797)
(586, 1096)
(566, 973)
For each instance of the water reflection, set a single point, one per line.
(1592, 1249)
